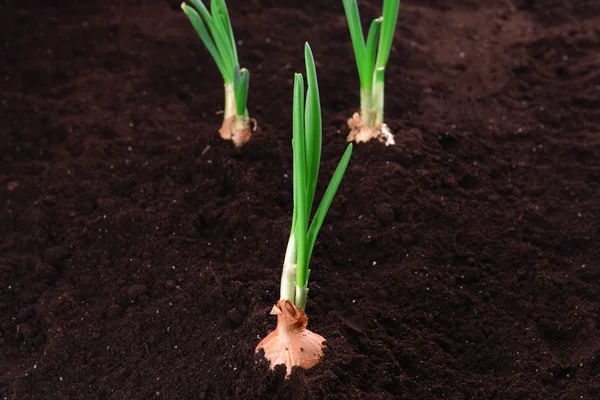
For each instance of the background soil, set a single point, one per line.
(140, 254)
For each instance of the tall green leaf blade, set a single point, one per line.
(388, 26)
(300, 180)
(371, 47)
(229, 29)
(312, 127)
(317, 220)
(205, 37)
(220, 25)
(220, 41)
(358, 39)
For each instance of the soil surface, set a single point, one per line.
(140, 254)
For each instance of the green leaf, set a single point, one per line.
(223, 33)
(312, 127)
(240, 87)
(205, 37)
(229, 29)
(358, 40)
(371, 49)
(317, 221)
(299, 178)
(220, 41)
(388, 26)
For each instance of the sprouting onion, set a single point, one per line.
(372, 57)
(214, 28)
(291, 343)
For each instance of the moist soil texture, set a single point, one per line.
(140, 254)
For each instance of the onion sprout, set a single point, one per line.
(291, 343)
(214, 29)
(372, 57)
(307, 133)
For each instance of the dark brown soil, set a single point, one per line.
(140, 254)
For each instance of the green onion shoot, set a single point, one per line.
(291, 343)
(214, 29)
(372, 57)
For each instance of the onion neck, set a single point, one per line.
(378, 96)
(301, 294)
(287, 290)
(229, 101)
(367, 111)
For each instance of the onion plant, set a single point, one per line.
(291, 343)
(214, 29)
(372, 56)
